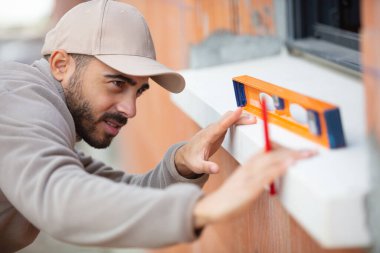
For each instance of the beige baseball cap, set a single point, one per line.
(116, 34)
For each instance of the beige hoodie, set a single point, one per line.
(46, 185)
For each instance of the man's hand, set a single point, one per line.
(192, 158)
(245, 185)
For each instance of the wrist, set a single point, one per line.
(201, 215)
(206, 211)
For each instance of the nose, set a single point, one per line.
(127, 107)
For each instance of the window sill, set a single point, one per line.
(325, 194)
(339, 55)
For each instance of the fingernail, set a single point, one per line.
(248, 116)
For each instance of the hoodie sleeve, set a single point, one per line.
(162, 176)
(43, 178)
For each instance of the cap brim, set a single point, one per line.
(143, 66)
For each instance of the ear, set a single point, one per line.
(61, 65)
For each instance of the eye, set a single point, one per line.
(118, 83)
(142, 89)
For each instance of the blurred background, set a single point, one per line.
(339, 34)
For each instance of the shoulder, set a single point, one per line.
(28, 98)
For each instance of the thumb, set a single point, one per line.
(210, 167)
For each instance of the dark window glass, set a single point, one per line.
(326, 28)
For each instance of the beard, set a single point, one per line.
(84, 118)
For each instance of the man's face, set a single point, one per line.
(101, 100)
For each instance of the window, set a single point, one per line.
(24, 18)
(23, 24)
(326, 28)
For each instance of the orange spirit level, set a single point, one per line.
(309, 117)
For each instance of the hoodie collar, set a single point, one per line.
(43, 66)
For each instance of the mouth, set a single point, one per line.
(112, 127)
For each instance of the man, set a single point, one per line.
(97, 62)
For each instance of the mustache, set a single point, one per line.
(122, 120)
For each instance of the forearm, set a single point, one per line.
(163, 175)
(167, 172)
(78, 208)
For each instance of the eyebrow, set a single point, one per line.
(122, 78)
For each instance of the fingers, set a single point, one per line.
(307, 153)
(300, 154)
(273, 171)
(269, 166)
(210, 167)
(234, 117)
(285, 154)
(237, 117)
(275, 145)
(246, 119)
(282, 158)
(245, 184)
(230, 118)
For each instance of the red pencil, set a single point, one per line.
(266, 136)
